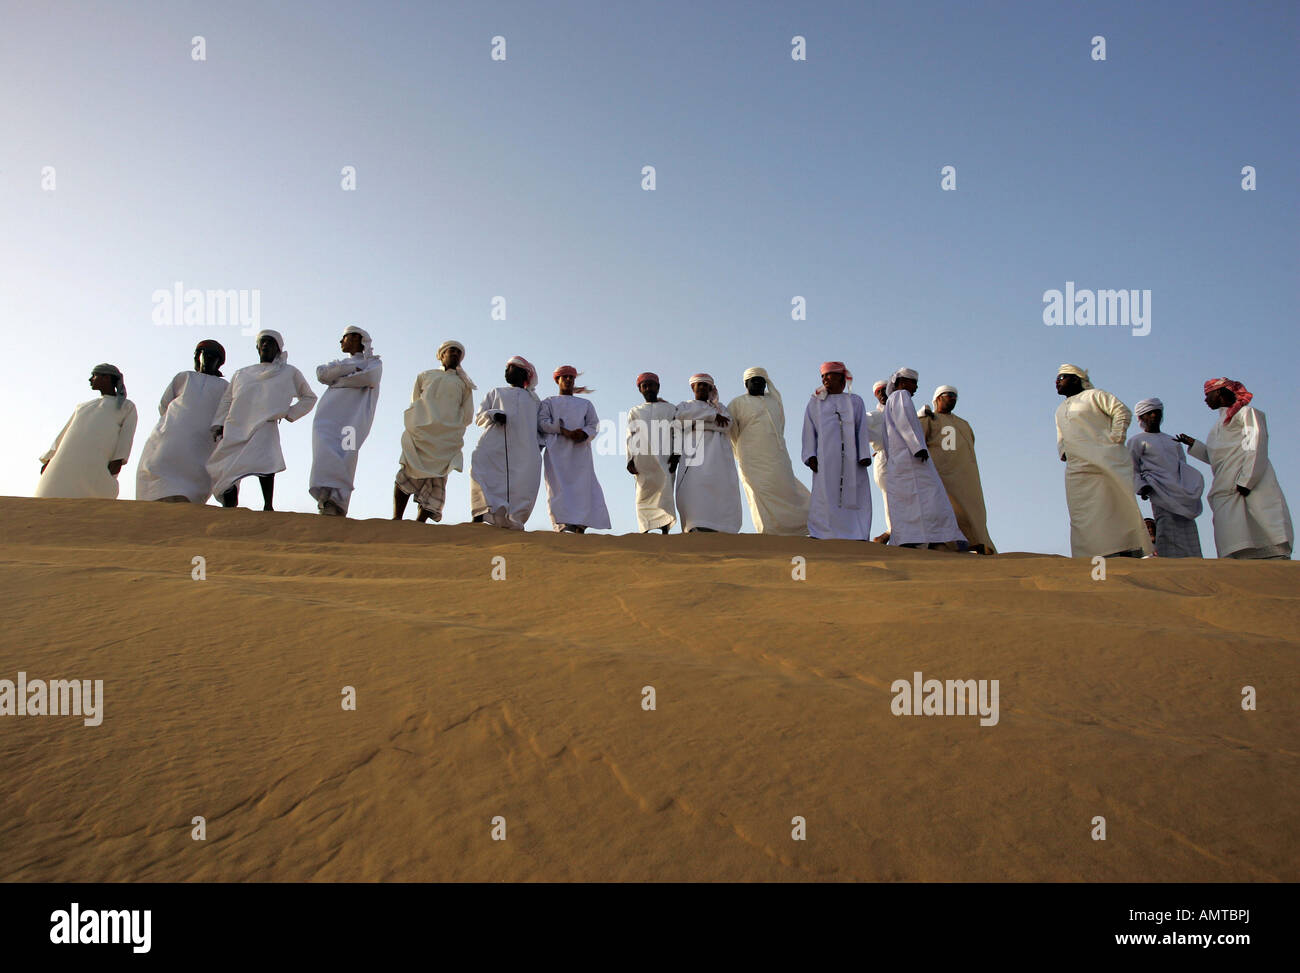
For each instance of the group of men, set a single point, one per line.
(691, 459)
(1104, 476)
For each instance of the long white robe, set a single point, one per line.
(649, 446)
(505, 469)
(1104, 515)
(1158, 463)
(249, 412)
(835, 431)
(1258, 525)
(97, 433)
(708, 487)
(879, 458)
(349, 402)
(919, 509)
(572, 490)
(441, 409)
(778, 502)
(174, 461)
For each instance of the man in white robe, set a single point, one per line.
(708, 488)
(837, 448)
(94, 443)
(569, 424)
(343, 420)
(1251, 517)
(778, 502)
(441, 409)
(650, 456)
(247, 421)
(879, 458)
(1161, 475)
(174, 462)
(920, 514)
(505, 469)
(1090, 432)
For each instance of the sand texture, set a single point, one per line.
(523, 699)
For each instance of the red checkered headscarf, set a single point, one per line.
(1236, 388)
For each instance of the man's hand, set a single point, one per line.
(1185, 439)
(499, 418)
(1244, 491)
(631, 466)
(672, 463)
(922, 454)
(811, 463)
(721, 420)
(865, 462)
(115, 466)
(216, 432)
(1062, 457)
(1145, 493)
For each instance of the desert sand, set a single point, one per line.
(522, 699)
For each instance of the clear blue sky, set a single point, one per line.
(775, 178)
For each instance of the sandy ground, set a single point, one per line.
(522, 698)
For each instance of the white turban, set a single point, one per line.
(941, 390)
(281, 358)
(367, 351)
(1075, 370)
(458, 369)
(1148, 405)
(901, 373)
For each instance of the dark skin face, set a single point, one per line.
(906, 383)
(880, 395)
(209, 364)
(945, 403)
(351, 344)
(1220, 398)
(566, 383)
(1150, 421)
(833, 382)
(649, 390)
(1068, 385)
(267, 349)
(103, 384)
(450, 358)
(756, 385)
(702, 390)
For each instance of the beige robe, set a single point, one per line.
(1091, 430)
(778, 502)
(441, 409)
(960, 473)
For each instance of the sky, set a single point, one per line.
(775, 178)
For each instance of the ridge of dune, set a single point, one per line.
(522, 699)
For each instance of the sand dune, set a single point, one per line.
(522, 698)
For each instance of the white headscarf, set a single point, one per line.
(892, 387)
(367, 351)
(941, 390)
(464, 377)
(1148, 405)
(761, 373)
(281, 359)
